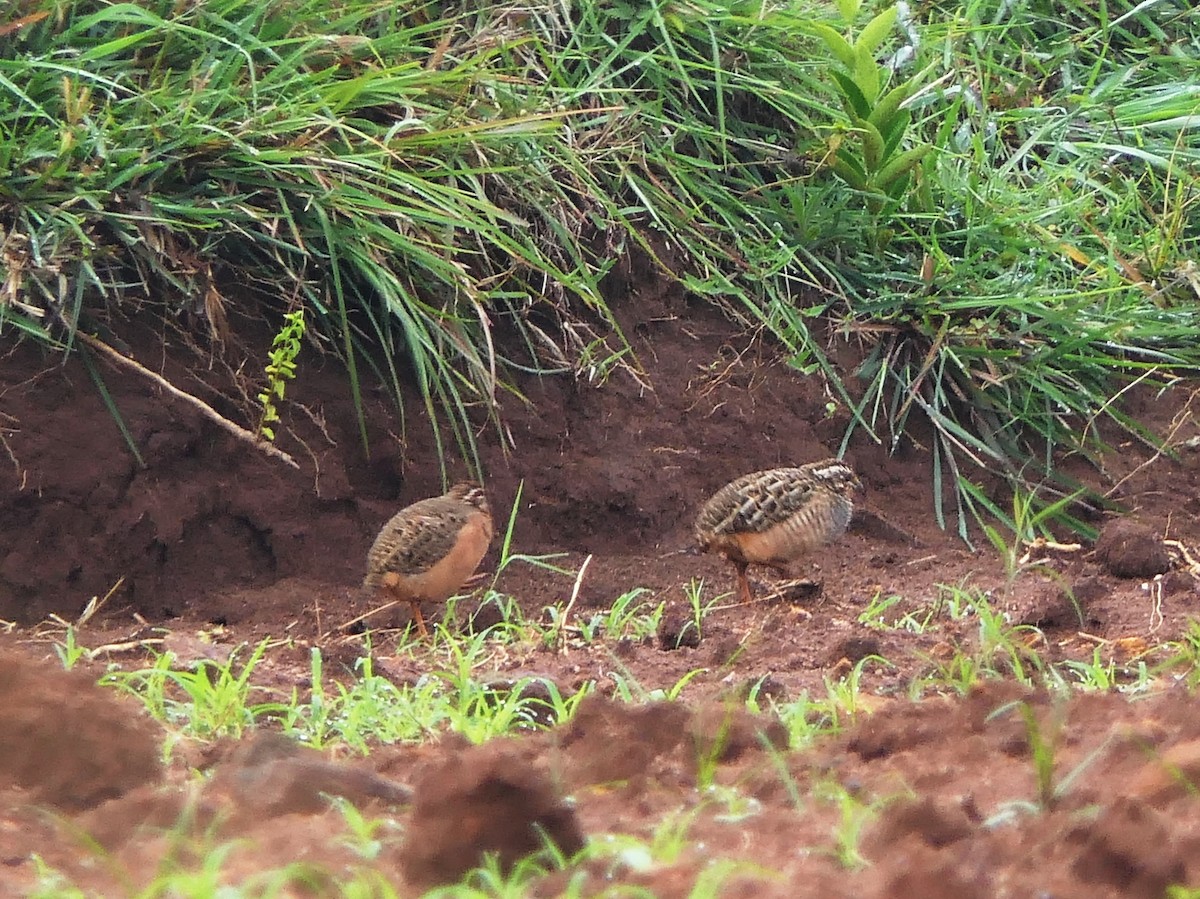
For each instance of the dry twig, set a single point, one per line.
(205, 409)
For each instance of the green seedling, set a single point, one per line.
(68, 649)
(279, 370)
(208, 700)
(626, 617)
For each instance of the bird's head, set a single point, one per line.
(470, 493)
(835, 474)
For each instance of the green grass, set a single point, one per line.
(993, 202)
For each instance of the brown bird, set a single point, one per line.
(773, 517)
(428, 550)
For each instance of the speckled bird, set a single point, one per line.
(774, 517)
(428, 550)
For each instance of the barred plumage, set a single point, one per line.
(429, 549)
(773, 517)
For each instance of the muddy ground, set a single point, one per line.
(211, 545)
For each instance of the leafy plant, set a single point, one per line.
(281, 369)
(870, 153)
(628, 616)
(68, 649)
(1043, 750)
(211, 699)
(1028, 522)
(853, 817)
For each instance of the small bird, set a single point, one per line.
(773, 517)
(428, 550)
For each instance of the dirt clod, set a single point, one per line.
(491, 798)
(69, 743)
(936, 822)
(1129, 549)
(853, 649)
(1048, 606)
(933, 875)
(724, 732)
(1129, 847)
(270, 775)
(611, 742)
(1174, 774)
(677, 630)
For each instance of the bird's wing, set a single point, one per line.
(416, 539)
(755, 502)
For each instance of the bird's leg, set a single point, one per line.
(742, 581)
(418, 617)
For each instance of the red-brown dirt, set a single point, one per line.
(214, 545)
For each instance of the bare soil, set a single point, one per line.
(211, 545)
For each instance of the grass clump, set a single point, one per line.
(210, 699)
(345, 157)
(993, 201)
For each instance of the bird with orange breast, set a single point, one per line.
(428, 550)
(774, 517)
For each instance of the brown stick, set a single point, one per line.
(206, 410)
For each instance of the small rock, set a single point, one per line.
(1128, 549)
(487, 616)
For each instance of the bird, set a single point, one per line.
(428, 550)
(773, 517)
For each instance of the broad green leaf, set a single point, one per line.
(901, 164)
(872, 145)
(837, 44)
(849, 170)
(866, 76)
(888, 105)
(849, 9)
(876, 30)
(859, 107)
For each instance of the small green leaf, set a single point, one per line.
(866, 76)
(888, 105)
(901, 164)
(872, 145)
(837, 44)
(849, 9)
(849, 172)
(857, 104)
(875, 31)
